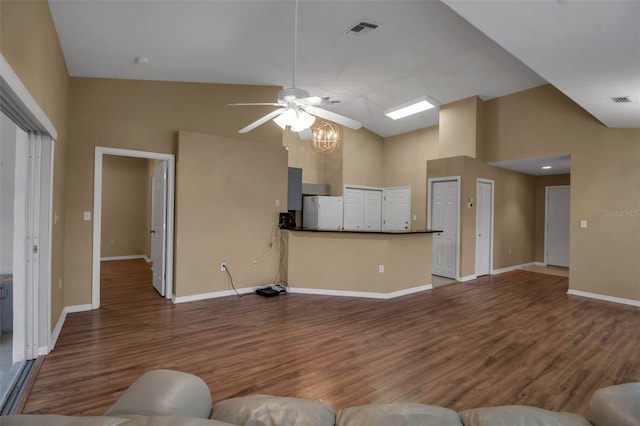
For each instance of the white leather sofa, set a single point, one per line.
(164, 397)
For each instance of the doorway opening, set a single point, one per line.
(557, 225)
(158, 228)
(27, 140)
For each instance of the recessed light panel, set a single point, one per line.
(407, 110)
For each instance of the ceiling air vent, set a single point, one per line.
(621, 99)
(362, 28)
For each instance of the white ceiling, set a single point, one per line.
(590, 50)
(560, 165)
(421, 48)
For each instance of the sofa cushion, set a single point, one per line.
(400, 414)
(265, 410)
(165, 393)
(54, 420)
(519, 415)
(172, 421)
(616, 406)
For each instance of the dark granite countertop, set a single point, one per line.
(357, 231)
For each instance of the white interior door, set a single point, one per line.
(353, 208)
(557, 226)
(397, 208)
(484, 207)
(372, 215)
(159, 225)
(444, 217)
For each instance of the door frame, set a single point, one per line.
(546, 215)
(491, 221)
(100, 152)
(430, 183)
(26, 113)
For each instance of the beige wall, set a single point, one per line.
(29, 43)
(605, 171)
(145, 116)
(226, 211)
(541, 183)
(125, 206)
(363, 153)
(461, 128)
(354, 260)
(514, 211)
(405, 163)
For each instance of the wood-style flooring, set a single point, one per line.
(514, 338)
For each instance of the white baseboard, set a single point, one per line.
(366, 294)
(213, 295)
(606, 298)
(78, 308)
(133, 256)
(467, 278)
(539, 263)
(510, 268)
(147, 259)
(58, 328)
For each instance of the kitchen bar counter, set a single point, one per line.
(364, 231)
(358, 263)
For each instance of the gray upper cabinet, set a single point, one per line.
(294, 198)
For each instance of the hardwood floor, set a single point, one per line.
(514, 338)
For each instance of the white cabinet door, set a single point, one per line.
(397, 209)
(372, 214)
(353, 208)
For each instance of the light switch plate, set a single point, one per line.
(87, 216)
(583, 224)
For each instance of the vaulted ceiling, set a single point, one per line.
(589, 50)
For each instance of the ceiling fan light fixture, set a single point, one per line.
(304, 121)
(413, 107)
(294, 118)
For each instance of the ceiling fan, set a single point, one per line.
(298, 109)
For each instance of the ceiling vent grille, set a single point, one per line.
(362, 28)
(621, 99)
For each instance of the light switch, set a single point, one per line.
(415, 217)
(277, 203)
(583, 224)
(87, 216)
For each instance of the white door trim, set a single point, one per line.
(492, 192)
(97, 214)
(430, 183)
(24, 110)
(546, 214)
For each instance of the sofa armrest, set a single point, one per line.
(165, 393)
(616, 406)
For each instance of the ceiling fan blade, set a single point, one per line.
(256, 103)
(305, 134)
(262, 120)
(332, 116)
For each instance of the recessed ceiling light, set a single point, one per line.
(141, 60)
(546, 167)
(413, 107)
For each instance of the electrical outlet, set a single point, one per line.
(223, 266)
(381, 268)
(509, 251)
(254, 263)
(59, 283)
